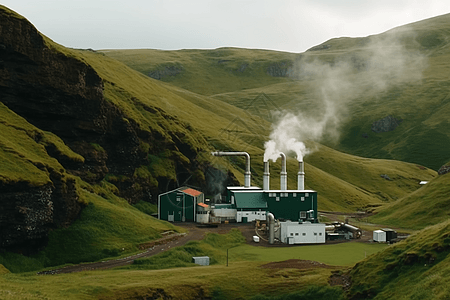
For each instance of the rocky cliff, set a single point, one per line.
(61, 94)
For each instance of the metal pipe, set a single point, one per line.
(283, 173)
(355, 230)
(266, 177)
(271, 222)
(247, 174)
(301, 176)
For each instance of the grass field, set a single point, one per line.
(184, 280)
(107, 227)
(343, 254)
(223, 99)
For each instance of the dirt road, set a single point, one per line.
(155, 247)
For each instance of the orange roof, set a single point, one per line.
(192, 192)
(203, 205)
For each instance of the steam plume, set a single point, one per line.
(382, 63)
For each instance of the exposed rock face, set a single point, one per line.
(27, 213)
(65, 96)
(281, 69)
(58, 93)
(444, 169)
(165, 72)
(386, 124)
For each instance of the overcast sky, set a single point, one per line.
(292, 26)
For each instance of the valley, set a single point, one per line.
(90, 138)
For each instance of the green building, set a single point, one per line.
(179, 205)
(254, 203)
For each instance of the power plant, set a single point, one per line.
(288, 216)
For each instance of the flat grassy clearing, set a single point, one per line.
(236, 280)
(342, 254)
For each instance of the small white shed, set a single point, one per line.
(379, 236)
(201, 260)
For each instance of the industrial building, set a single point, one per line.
(180, 205)
(294, 210)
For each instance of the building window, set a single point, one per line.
(302, 198)
(295, 195)
(306, 194)
(303, 215)
(315, 233)
(304, 233)
(320, 233)
(178, 199)
(296, 233)
(292, 234)
(277, 198)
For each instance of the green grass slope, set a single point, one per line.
(426, 206)
(416, 89)
(107, 227)
(227, 127)
(173, 273)
(417, 268)
(108, 224)
(208, 72)
(23, 151)
(208, 124)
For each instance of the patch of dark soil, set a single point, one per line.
(296, 264)
(339, 278)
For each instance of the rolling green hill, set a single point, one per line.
(401, 73)
(426, 206)
(83, 139)
(101, 135)
(417, 268)
(209, 72)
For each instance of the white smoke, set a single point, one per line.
(382, 63)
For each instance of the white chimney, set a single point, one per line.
(301, 176)
(283, 173)
(266, 177)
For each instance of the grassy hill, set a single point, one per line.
(426, 206)
(209, 72)
(223, 99)
(415, 268)
(402, 73)
(227, 127)
(176, 128)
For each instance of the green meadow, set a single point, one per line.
(223, 99)
(174, 272)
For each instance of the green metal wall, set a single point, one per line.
(170, 205)
(289, 207)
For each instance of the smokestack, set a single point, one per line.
(266, 177)
(271, 223)
(283, 174)
(247, 174)
(301, 176)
